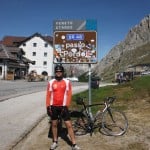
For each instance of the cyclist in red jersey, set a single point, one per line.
(58, 99)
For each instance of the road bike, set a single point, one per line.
(109, 121)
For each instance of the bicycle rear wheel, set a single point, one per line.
(114, 122)
(80, 125)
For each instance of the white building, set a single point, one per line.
(39, 49)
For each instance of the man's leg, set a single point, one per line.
(55, 137)
(71, 134)
(70, 131)
(54, 130)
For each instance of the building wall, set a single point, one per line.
(3, 71)
(39, 49)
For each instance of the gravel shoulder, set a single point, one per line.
(137, 136)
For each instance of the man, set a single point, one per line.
(58, 98)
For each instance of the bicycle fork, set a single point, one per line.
(109, 111)
(107, 108)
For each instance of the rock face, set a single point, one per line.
(137, 36)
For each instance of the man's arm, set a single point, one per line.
(48, 95)
(69, 94)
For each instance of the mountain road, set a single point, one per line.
(22, 106)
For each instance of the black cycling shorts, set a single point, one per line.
(60, 111)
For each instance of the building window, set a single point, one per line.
(44, 63)
(33, 53)
(45, 54)
(24, 44)
(33, 62)
(34, 44)
(46, 44)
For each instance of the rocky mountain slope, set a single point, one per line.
(135, 48)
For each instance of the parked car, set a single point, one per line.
(145, 73)
(74, 79)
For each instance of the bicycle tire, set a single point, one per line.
(80, 125)
(118, 126)
(98, 123)
(98, 119)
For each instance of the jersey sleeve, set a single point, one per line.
(48, 95)
(69, 94)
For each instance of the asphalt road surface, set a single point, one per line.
(10, 89)
(22, 106)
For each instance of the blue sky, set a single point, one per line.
(114, 17)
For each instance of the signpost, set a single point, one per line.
(75, 42)
(75, 25)
(75, 47)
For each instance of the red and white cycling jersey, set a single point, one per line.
(58, 93)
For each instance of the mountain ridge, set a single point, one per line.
(136, 38)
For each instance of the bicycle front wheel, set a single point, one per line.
(114, 122)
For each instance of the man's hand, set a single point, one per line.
(49, 111)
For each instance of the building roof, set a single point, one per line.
(10, 53)
(6, 54)
(48, 39)
(12, 41)
(15, 41)
(140, 65)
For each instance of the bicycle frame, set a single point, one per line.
(96, 121)
(85, 108)
(90, 118)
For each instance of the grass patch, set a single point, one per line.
(141, 86)
(130, 91)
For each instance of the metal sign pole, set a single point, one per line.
(90, 101)
(75, 42)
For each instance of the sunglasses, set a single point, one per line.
(58, 71)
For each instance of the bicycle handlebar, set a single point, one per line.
(109, 100)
